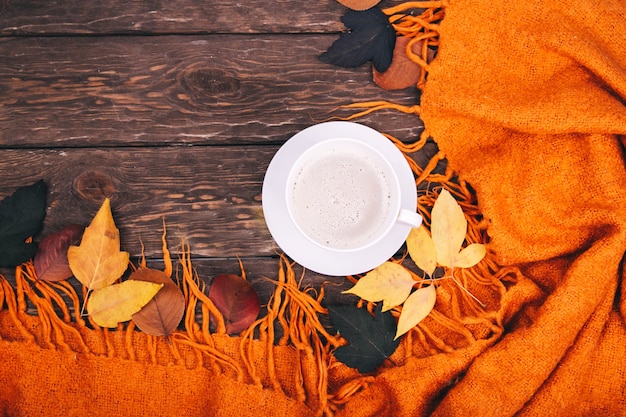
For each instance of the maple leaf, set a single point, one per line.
(370, 37)
(97, 262)
(371, 339)
(21, 216)
(390, 283)
(163, 313)
(117, 303)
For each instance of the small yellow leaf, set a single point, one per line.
(118, 302)
(390, 283)
(416, 308)
(97, 262)
(470, 256)
(448, 228)
(422, 249)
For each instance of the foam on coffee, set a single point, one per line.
(341, 197)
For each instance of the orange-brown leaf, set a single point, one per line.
(238, 302)
(98, 262)
(359, 4)
(50, 261)
(402, 72)
(162, 315)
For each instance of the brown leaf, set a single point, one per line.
(238, 302)
(162, 315)
(51, 262)
(402, 72)
(359, 4)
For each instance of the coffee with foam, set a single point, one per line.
(341, 195)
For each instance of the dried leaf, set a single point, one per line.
(237, 300)
(370, 38)
(390, 283)
(448, 228)
(50, 261)
(470, 256)
(402, 72)
(162, 315)
(416, 308)
(422, 249)
(21, 216)
(98, 262)
(118, 302)
(370, 338)
(359, 4)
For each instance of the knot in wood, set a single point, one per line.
(210, 81)
(94, 186)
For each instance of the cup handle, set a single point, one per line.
(409, 217)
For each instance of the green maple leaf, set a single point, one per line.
(371, 339)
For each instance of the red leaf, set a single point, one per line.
(402, 72)
(162, 315)
(51, 262)
(238, 302)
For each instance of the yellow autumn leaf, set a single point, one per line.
(97, 262)
(422, 249)
(470, 256)
(448, 228)
(118, 302)
(416, 307)
(390, 283)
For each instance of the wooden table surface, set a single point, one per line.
(173, 110)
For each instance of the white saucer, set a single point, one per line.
(285, 232)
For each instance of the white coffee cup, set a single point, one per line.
(343, 195)
(339, 198)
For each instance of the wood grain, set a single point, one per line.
(20, 17)
(177, 16)
(181, 90)
(209, 196)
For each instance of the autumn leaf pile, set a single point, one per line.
(92, 255)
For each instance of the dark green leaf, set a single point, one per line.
(370, 38)
(370, 338)
(21, 217)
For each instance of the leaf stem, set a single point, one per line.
(82, 309)
(483, 305)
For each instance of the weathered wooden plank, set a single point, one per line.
(181, 16)
(216, 89)
(209, 196)
(20, 17)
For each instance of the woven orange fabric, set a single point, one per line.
(527, 102)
